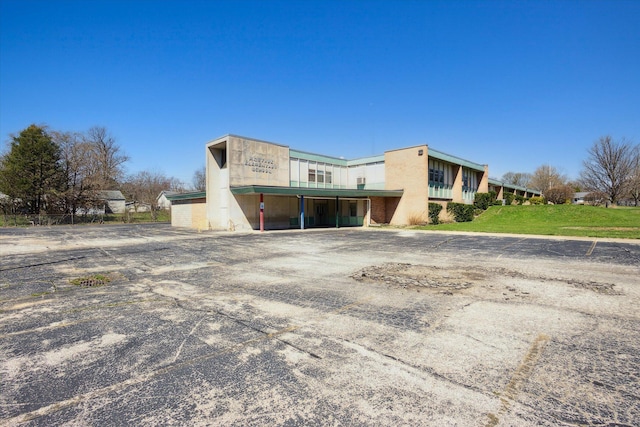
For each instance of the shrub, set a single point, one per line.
(559, 195)
(520, 199)
(434, 212)
(537, 200)
(415, 219)
(509, 198)
(483, 200)
(461, 212)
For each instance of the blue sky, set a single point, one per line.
(514, 84)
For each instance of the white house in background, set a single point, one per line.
(109, 201)
(578, 198)
(113, 201)
(162, 201)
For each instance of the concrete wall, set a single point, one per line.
(408, 169)
(189, 213)
(253, 162)
(234, 162)
(218, 193)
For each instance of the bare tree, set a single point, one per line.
(546, 177)
(521, 179)
(609, 167)
(595, 198)
(633, 186)
(145, 186)
(79, 193)
(199, 181)
(107, 157)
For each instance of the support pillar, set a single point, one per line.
(337, 213)
(301, 212)
(261, 212)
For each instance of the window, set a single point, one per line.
(312, 175)
(353, 209)
(321, 177)
(436, 173)
(436, 176)
(469, 180)
(327, 177)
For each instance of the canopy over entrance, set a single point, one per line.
(315, 192)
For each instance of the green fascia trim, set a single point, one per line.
(187, 196)
(366, 160)
(314, 192)
(317, 157)
(334, 160)
(494, 181)
(455, 160)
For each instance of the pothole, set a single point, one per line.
(418, 276)
(600, 288)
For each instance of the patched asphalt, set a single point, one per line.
(321, 327)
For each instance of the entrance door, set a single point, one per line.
(322, 212)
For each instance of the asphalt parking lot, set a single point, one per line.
(152, 325)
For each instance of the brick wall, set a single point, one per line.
(407, 169)
(378, 210)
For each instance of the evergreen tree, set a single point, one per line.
(32, 171)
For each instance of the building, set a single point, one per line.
(254, 184)
(162, 202)
(578, 198)
(106, 202)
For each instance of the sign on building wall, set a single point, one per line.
(261, 164)
(258, 163)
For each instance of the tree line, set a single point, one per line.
(51, 172)
(610, 174)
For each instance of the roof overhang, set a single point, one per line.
(187, 196)
(314, 192)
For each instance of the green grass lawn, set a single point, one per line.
(557, 220)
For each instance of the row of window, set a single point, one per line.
(320, 176)
(439, 173)
(469, 180)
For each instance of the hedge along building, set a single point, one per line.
(254, 184)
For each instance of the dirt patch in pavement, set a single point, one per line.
(410, 276)
(600, 288)
(451, 279)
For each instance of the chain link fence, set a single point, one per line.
(25, 220)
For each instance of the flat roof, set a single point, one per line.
(314, 192)
(494, 181)
(454, 159)
(187, 196)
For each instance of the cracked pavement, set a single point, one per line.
(321, 327)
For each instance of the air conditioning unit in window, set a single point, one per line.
(361, 181)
